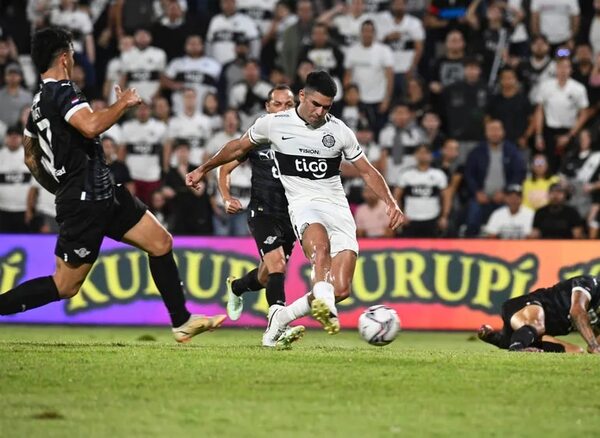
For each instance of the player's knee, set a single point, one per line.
(274, 263)
(162, 244)
(341, 292)
(66, 289)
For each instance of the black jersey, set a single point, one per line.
(74, 161)
(556, 301)
(267, 195)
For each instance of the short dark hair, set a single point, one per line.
(278, 87)
(321, 82)
(47, 44)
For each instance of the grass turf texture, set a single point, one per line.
(114, 382)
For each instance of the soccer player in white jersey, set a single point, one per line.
(309, 145)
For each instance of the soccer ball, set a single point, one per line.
(379, 325)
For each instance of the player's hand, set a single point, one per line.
(395, 214)
(194, 179)
(129, 96)
(232, 205)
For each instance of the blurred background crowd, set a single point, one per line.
(482, 115)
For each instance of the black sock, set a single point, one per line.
(248, 283)
(166, 277)
(552, 347)
(275, 291)
(29, 295)
(494, 338)
(523, 338)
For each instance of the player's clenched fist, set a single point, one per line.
(395, 214)
(129, 96)
(194, 178)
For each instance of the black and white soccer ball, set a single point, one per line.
(379, 325)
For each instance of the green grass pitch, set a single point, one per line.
(130, 382)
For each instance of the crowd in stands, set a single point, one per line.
(482, 115)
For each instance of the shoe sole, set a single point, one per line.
(202, 325)
(232, 314)
(320, 311)
(295, 334)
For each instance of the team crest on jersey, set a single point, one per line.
(328, 140)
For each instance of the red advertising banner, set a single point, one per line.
(433, 284)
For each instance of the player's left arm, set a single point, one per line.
(33, 161)
(232, 205)
(580, 301)
(375, 181)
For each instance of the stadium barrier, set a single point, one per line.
(433, 284)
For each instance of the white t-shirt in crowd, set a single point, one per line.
(411, 30)
(555, 18)
(222, 31)
(196, 130)
(422, 192)
(15, 180)
(45, 201)
(348, 27)
(368, 65)
(76, 21)
(142, 69)
(260, 11)
(510, 226)
(562, 104)
(144, 143)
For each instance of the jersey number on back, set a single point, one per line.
(45, 140)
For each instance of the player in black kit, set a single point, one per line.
(269, 223)
(531, 321)
(63, 152)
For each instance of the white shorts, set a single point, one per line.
(336, 219)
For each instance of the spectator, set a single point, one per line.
(519, 38)
(399, 140)
(594, 35)
(131, 15)
(272, 37)
(557, 20)
(538, 182)
(346, 21)
(210, 110)
(417, 97)
(223, 29)
(260, 11)
(172, 30)
(581, 174)
(225, 224)
(448, 163)
(190, 127)
(583, 66)
(464, 104)
(5, 58)
(114, 69)
(114, 132)
(376, 6)
(511, 106)
(250, 95)
(142, 66)
(194, 70)
(305, 68)
(404, 34)
(119, 172)
(40, 215)
(371, 218)
(450, 68)
(295, 37)
(491, 166)
(14, 184)
(157, 205)
(143, 152)
(561, 112)
(190, 209)
(161, 109)
(12, 96)
(230, 131)
(352, 111)
(557, 220)
(422, 190)
(369, 65)
(434, 136)
(324, 55)
(233, 71)
(536, 69)
(514, 220)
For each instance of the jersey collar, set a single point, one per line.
(45, 81)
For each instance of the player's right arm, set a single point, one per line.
(580, 301)
(33, 161)
(232, 205)
(93, 123)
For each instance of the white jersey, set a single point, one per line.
(505, 225)
(144, 148)
(142, 69)
(15, 180)
(196, 130)
(555, 18)
(411, 31)
(222, 32)
(260, 11)
(308, 159)
(562, 104)
(201, 74)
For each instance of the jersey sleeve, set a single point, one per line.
(70, 100)
(29, 130)
(351, 149)
(260, 130)
(584, 285)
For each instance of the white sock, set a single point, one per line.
(324, 291)
(294, 311)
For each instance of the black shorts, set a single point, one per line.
(83, 224)
(271, 232)
(555, 324)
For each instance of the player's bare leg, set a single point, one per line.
(342, 272)
(150, 236)
(551, 344)
(528, 326)
(63, 284)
